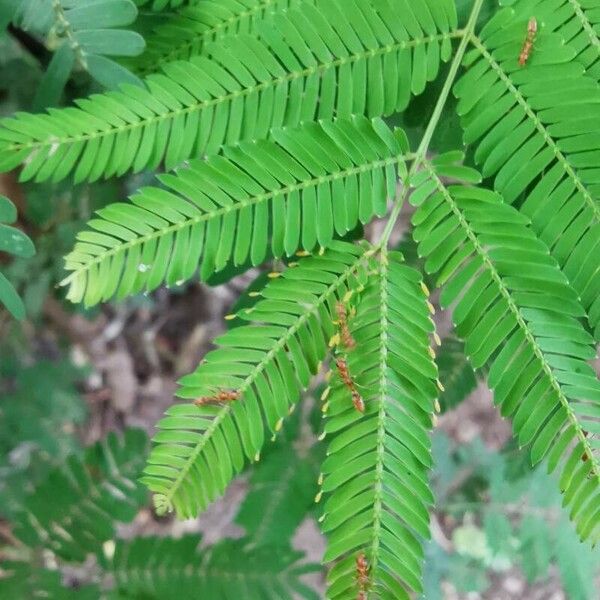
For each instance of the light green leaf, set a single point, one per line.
(519, 315)
(375, 475)
(537, 129)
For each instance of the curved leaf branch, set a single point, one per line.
(267, 363)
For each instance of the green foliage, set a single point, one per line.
(165, 569)
(95, 494)
(13, 241)
(241, 89)
(271, 116)
(22, 580)
(506, 514)
(268, 362)
(543, 120)
(577, 23)
(40, 410)
(89, 495)
(375, 474)
(515, 306)
(192, 28)
(80, 33)
(289, 187)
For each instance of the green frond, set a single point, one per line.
(189, 30)
(302, 189)
(171, 569)
(347, 58)
(576, 21)
(88, 496)
(200, 448)
(456, 374)
(538, 132)
(517, 313)
(376, 471)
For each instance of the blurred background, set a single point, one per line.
(80, 392)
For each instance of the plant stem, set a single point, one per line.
(67, 32)
(421, 153)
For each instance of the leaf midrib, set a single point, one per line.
(193, 570)
(382, 414)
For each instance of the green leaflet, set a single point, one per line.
(199, 449)
(241, 89)
(88, 495)
(537, 129)
(191, 28)
(517, 313)
(375, 475)
(299, 191)
(172, 569)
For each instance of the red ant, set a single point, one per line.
(346, 337)
(342, 367)
(532, 29)
(220, 396)
(362, 576)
